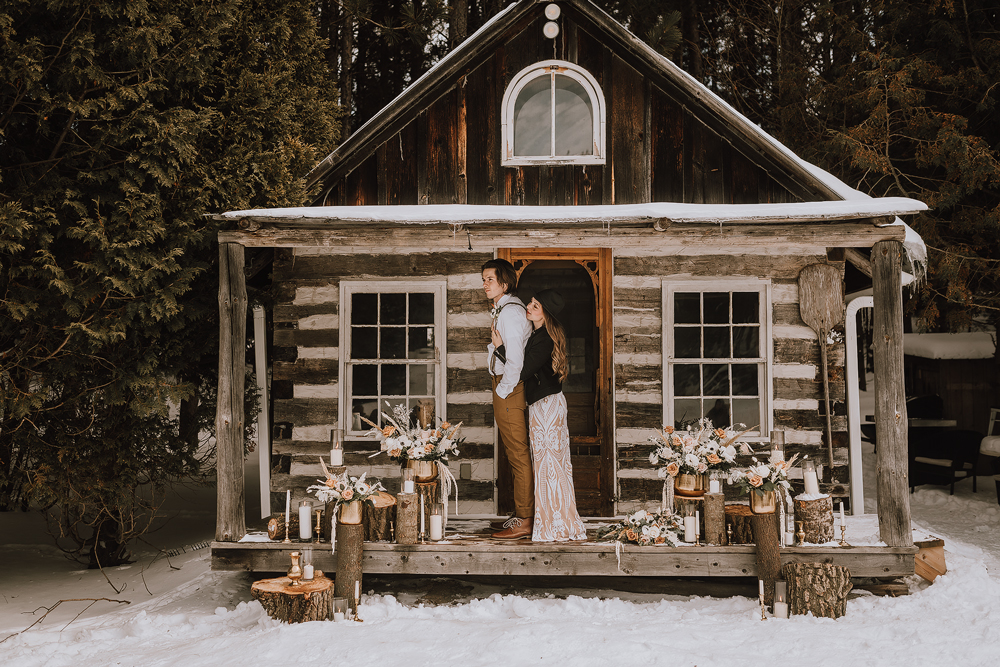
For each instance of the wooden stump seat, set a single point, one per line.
(308, 601)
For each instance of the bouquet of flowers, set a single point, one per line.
(644, 528)
(761, 478)
(404, 441)
(344, 488)
(693, 452)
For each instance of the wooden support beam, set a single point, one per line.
(860, 262)
(230, 523)
(890, 399)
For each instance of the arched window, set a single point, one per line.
(553, 113)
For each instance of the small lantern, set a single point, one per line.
(339, 609)
(408, 480)
(337, 447)
(809, 477)
(781, 599)
(437, 521)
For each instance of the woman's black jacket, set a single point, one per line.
(536, 373)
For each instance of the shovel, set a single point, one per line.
(821, 304)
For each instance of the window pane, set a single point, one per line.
(365, 380)
(687, 342)
(716, 307)
(421, 343)
(745, 380)
(421, 379)
(364, 342)
(746, 411)
(746, 341)
(686, 380)
(367, 409)
(716, 342)
(393, 379)
(574, 118)
(393, 343)
(687, 308)
(719, 414)
(393, 309)
(533, 119)
(686, 411)
(364, 308)
(716, 377)
(745, 308)
(421, 308)
(422, 411)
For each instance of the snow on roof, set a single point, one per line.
(674, 212)
(977, 345)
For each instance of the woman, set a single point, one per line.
(544, 370)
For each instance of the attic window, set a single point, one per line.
(553, 113)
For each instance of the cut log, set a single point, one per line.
(820, 588)
(715, 518)
(276, 527)
(738, 518)
(349, 550)
(308, 601)
(929, 561)
(407, 507)
(430, 492)
(816, 517)
(765, 534)
(380, 519)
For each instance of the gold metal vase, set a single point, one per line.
(763, 502)
(691, 486)
(295, 571)
(423, 471)
(350, 512)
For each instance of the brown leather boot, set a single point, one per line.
(514, 529)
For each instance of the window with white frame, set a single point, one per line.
(392, 342)
(716, 351)
(553, 113)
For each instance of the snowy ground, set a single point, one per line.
(182, 613)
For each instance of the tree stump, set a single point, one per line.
(715, 518)
(350, 541)
(820, 588)
(738, 517)
(817, 519)
(430, 492)
(379, 519)
(765, 534)
(407, 523)
(276, 527)
(309, 601)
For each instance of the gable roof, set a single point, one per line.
(716, 113)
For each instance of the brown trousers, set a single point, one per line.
(511, 415)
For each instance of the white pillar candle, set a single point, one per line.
(408, 486)
(357, 593)
(781, 610)
(809, 478)
(421, 515)
(288, 506)
(760, 586)
(336, 457)
(689, 529)
(305, 521)
(842, 524)
(338, 616)
(308, 571)
(437, 527)
(697, 522)
(713, 486)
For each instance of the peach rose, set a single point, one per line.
(331, 482)
(347, 494)
(673, 469)
(713, 458)
(429, 447)
(754, 480)
(630, 534)
(445, 425)
(388, 430)
(668, 429)
(660, 540)
(780, 465)
(720, 433)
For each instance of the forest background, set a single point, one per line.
(123, 123)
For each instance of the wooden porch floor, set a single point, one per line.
(467, 552)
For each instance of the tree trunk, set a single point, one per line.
(458, 28)
(276, 526)
(407, 507)
(429, 491)
(819, 588)
(308, 601)
(229, 418)
(715, 518)
(890, 400)
(349, 545)
(346, 77)
(378, 523)
(765, 534)
(738, 518)
(816, 517)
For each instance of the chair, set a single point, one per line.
(944, 458)
(990, 446)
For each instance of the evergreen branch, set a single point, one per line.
(955, 254)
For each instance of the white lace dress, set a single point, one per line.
(556, 517)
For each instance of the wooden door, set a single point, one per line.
(583, 277)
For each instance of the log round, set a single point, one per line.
(765, 533)
(715, 518)
(276, 527)
(407, 527)
(817, 519)
(350, 541)
(738, 517)
(820, 588)
(308, 601)
(379, 518)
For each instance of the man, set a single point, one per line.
(509, 408)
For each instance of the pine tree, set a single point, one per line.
(122, 124)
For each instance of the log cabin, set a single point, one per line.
(675, 228)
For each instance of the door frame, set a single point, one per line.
(598, 264)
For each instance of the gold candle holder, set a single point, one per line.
(318, 529)
(843, 536)
(287, 539)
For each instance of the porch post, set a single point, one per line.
(230, 525)
(890, 399)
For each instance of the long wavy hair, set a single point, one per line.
(560, 363)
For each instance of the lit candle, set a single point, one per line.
(308, 571)
(336, 457)
(305, 522)
(780, 599)
(408, 486)
(437, 527)
(690, 531)
(338, 616)
(809, 477)
(713, 486)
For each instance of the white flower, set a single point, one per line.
(763, 470)
(691, 460)
(728, 453)
(652, 532)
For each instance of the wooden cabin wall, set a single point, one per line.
(797, 389)
(306, 358)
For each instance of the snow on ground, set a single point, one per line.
(182, 613)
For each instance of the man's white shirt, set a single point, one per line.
(515, 329)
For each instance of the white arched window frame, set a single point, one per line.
(551, 69)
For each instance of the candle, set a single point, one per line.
(713, 486)
(408, 486)
(697, 522)
(338, 616)
(336, 457)
(690, 531)
(781, 599)
(357, 593)
(288, 505)
(760, 584)
(305, 522)
(809, 477)
(437, 527)
(842, 524)
(421, 515)
(781, 610)
(308, 571)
